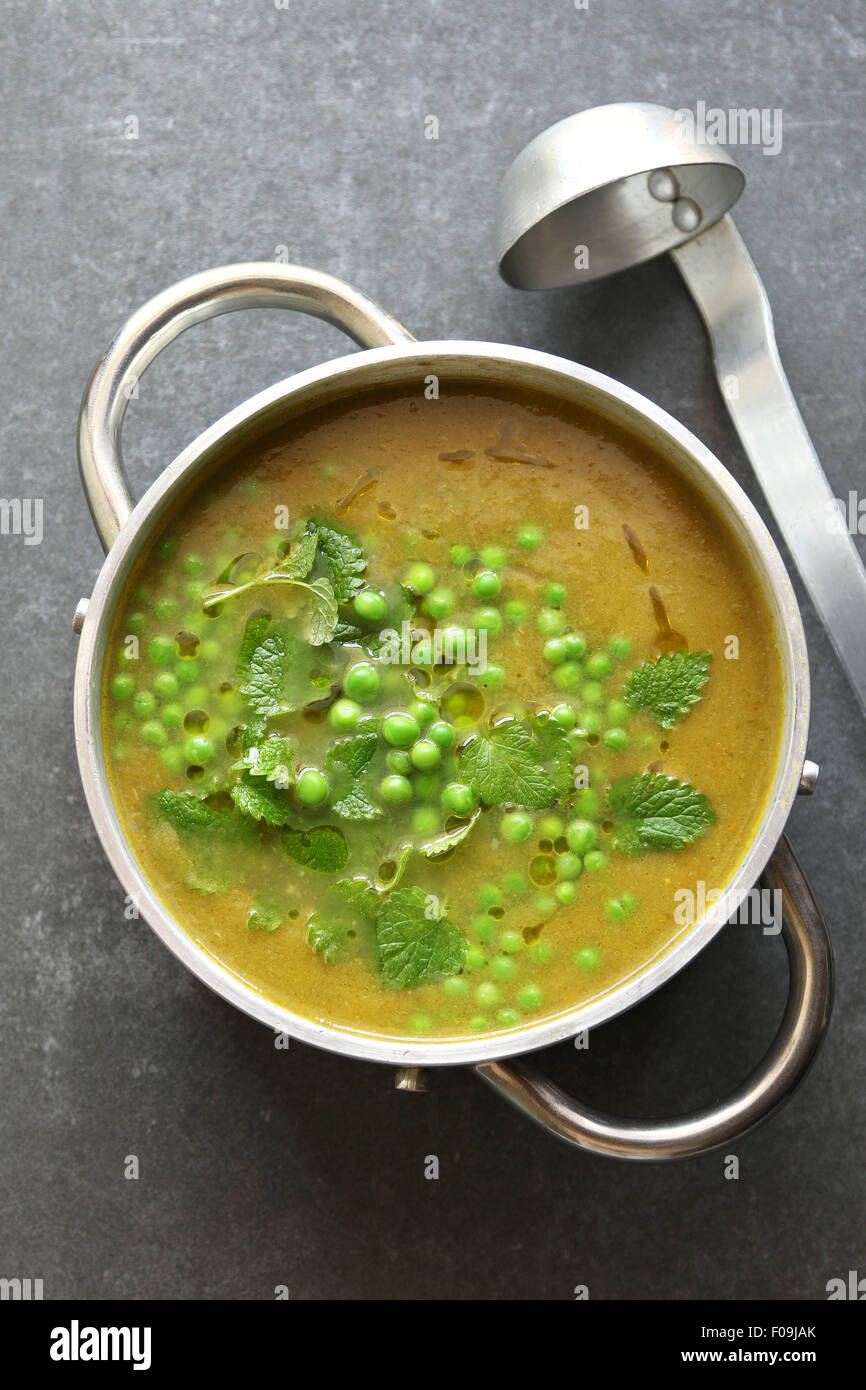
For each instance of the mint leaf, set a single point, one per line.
(345, 561)
(445, 843)
(323, 848)
(265, 915)
(328, 937)
(414, 948)
(255, 633)
(359, 897)
(300, 561)
(252, 734)
(555, 753)
(185, 811)
(261, 801)
(269, 669)
(324, 619)
(653, 811)
(271, 758)
(669, 686)
(506, 765)
(348, 759)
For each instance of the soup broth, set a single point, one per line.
(431, 717)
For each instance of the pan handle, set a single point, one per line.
(250, 285)
(810, 1000)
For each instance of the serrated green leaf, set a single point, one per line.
(261, 801)
(255, 632)
(299, 563)
(324, 616)
(322, 848)
(449, 840)
(328, 937)
(348, 759)
(272, 758)
(652, 811)
(359, 896)
(265, 915)
(507, 766)
(555, 752)
(413, 946)
(185, 811)
(669, 686)
(345, 561)
(269, 669)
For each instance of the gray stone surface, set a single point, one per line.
(261, 127)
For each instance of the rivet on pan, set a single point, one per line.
(808, 778)
(79, 615)
(410, 1079)
(663, 185)
(686, 215)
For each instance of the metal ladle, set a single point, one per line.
(616, 185)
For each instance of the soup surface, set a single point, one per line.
(431, 717)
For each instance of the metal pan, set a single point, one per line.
(392, 357)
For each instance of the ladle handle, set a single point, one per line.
(810, 999)
(727, 289)
(250, 285)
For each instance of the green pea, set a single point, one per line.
(589, 721)
(400, 729)
(122, 686)
(194, 590)
(361, 681)
(565, 893)
(187, 670)
(370, 606)
(172, 716)
(173, 758)
(488, 620)
(459, 799)
(530, 537)
(160, 650)
(569, 866)
(460, 555)
(551, 622)
(420, 578)
(422, 652)
(529, 996)
(516, 611)
(199, 749)
(568, 675)
(441, 733)
(395, 789)
(165, 610)
(619, 647)
(617, 739)
(478, 1023)
(503, 967)
(510, 942)
(489, 895)
(587, 958)
(487, 994)
(627, 901)
(166, 548)
(591, 693)
(545, 904)
(426, 755)
(193, 565)
(153, 733)
(494, 557)
(594, 860)
(615, 910)
(551, 827)
(312, 787)
(439, 603)
(487, 584)
(555, 651)
(564, 716)
(576, 644)
(482, 926)
(426, 786)
(136, 623)
(475, 958)
(209, 650)
(144, 703)
(121, 721)
(587, 802)
(598, 665)
(344, 715)
(618, 712)
(581, 836)
(423, 711)
(456, 987)
(425, 820)
(515, 827)
(197, 697)
(507, 1018)
(398, 760)
(494, 676)
(421, 1023)
(554, 595)
(542, 952)
(515, 881)
(165, 685)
